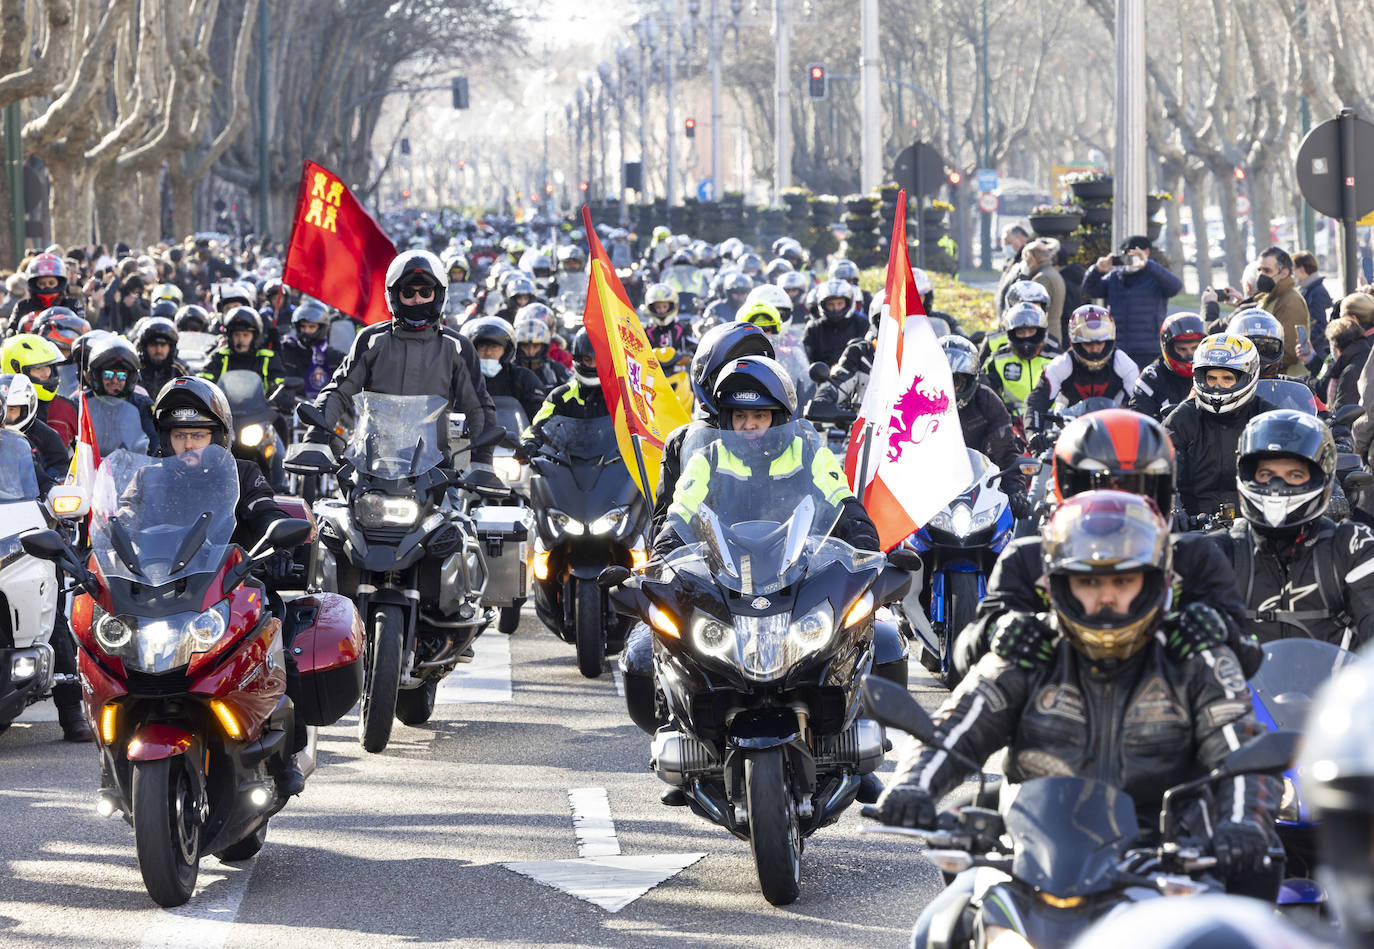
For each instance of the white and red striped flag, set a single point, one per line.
(906, 457)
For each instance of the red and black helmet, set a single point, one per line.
(1180, 328)
(1115, 448)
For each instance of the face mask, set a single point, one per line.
(490, 367)
(418, 315)
(1264, 283)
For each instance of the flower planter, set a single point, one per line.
(1054, 224)
(1097, 214)
(933, 217)
(1093, 190)
(1152, 206)
(1153, 229)
(859, 205)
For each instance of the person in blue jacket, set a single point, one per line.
(1137, 294)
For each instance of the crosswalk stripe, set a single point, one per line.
(486, 679)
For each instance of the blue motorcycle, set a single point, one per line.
(958, 548)
(1281, 691)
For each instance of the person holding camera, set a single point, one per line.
(1137, 291)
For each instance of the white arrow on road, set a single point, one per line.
(601, 874)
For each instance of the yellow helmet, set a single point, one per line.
(763, 315)
(26, 352)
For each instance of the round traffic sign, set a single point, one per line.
(1321, 177)
(1242, 204)
(987, 202)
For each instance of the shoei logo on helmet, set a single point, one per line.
(747, 395)
(185, 414)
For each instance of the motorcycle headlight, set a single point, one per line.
(375, 509)
(113, 632)
(252, 435)
(612, 522)
(507, 468)
(207, 628)
(713, 637)
(1289, 805)
(942, 522)
(984, 520)
(961, 520)
(560, 524)
(813, 630)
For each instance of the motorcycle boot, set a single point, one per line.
(75, 728)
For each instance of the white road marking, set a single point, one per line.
(486, 679)
(206, 920)
(611, 883)
(591, 813)
(619, 680)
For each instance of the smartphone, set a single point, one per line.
(1119, 260)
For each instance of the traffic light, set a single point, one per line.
(582, 185)
(815, 81)
(691, 127)
(548, 189)
(1240, 174)
(460, 92)
(955, 178)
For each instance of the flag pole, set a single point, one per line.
(863, 458)
(649, 493)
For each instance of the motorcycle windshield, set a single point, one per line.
(155, 520)
(1292, 672)
(1285, 394)
(244, 391)
(748, 502)
(1068, 833)
(510, 415)
(397, 436)
(18, 481)
(1095, 404)
(116, 424)
(579, 439)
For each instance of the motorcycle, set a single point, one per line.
(1281, 692)
(762, 625)
(391, 543)
(259, 430)
(958, 547)
(505, 525)
(589, 515)
(28, 586)
(194, 350)
(1065, 853)
(182, 661)
(1041, 490)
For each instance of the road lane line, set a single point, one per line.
(206, 920)
(619, 680)
(486, 679)
(591, 811)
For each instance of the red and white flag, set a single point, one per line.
(86, 457)
(906, 457)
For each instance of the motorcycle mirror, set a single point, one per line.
(612, 576)
(45, 545)
(905, 558)
(489, 436)
(819, 372)
(286, 533)
(1029, 466)
(1272, 751)
(1347, 415)
(309, 414)
(892, 705)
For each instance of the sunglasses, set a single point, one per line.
(114, 374)
(417, 293)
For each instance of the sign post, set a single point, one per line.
(1336, 176)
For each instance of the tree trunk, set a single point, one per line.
(183, 200)
(71, 200)
(1196, 186)
(1262, 209)
(1173, 183)
(1226, 200)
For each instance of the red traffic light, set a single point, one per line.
(955, 177)
(582, 185)
(817, 72)
(548, 189)
(405, 193)
(1240, 174)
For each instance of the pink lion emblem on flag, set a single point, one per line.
(914, 408)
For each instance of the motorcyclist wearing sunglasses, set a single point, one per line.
(112, 374)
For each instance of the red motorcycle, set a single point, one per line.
(183, 666)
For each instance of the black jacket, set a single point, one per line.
(1159, 390)
(1319, 584)
(50, 457)
(1144, 725)
(518, 383)
(314, 364)
(1205, 446)
(1017, 585)
(987, 428)
(30, 305)
(153, 378)
(1067, 382)
(1345, 373)
(257, 507)
(825, 341)
(434, 361)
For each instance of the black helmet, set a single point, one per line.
(844, 269)
(156, 329)
(189, 401)
(408, 269)
(193, 319)
(311, 310)
(1118, 449)
(165, 307)
(755, 382)
(1180, 328)
(1265, 331)
(584, 359)
(963, 366)
(491, 329)
(243, 318)
(1337, 765)
(1026, 315)
(720, 345)
(519, 285)
(1275, 504)
(831, 290)
(111, 354)
(1105, 533)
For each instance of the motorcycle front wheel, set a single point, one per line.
(588, 631)
(961, 605)
(774, 834)
(166, 829)
(381, 676)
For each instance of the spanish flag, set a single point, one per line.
(643, 407)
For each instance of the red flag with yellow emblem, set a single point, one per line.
(337, 253)
(644, 408)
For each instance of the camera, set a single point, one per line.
(1119, 260)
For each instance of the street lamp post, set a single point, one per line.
(985, 220)
(644, 28)
(577, 151)
(782, 136)
(669, 193)
(603, 70)
(622, 61)
(591, 140)
(1128, 207)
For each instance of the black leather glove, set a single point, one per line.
(906, 805)
(1240, 848)
(1021, 506)
(1023, 639)
(318, 436)
(1192, 629)
(279, 568)
(521, 454)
